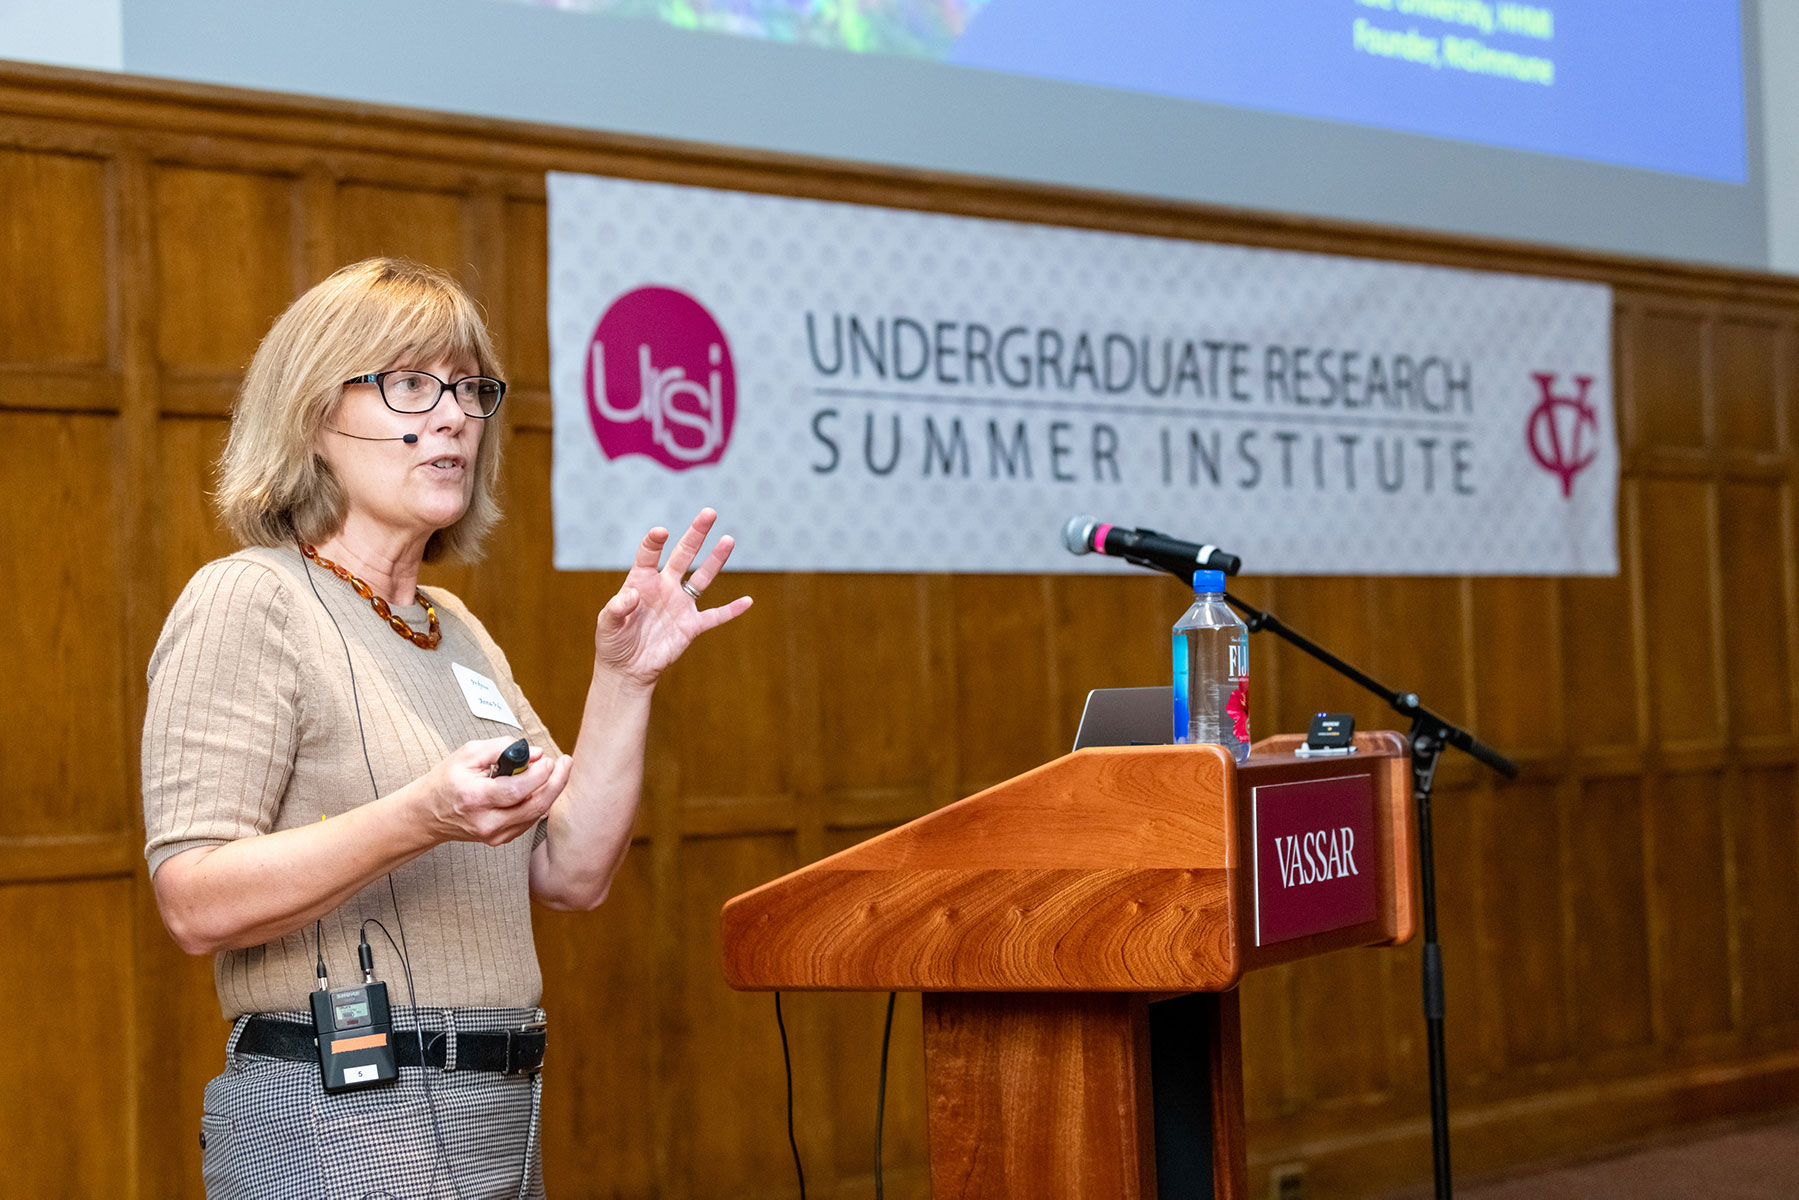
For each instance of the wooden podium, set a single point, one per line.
(1078, 933)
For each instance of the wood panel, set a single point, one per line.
(64, 1103)
(1607, 915)
(225, 265)
(1618, 926)
(60, 619)
(54, 309)
(1693, 949)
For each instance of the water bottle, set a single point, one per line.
(1211, 670)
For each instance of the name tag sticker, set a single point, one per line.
(484, 699)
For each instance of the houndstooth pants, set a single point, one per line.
(269, 1131)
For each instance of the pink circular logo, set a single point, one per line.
(660, 380)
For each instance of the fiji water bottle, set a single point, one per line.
(1211, 670)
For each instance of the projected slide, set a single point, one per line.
(1651, 85)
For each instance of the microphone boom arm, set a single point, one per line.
(1406, 704)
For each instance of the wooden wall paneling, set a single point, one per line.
(526, 331)
(1687, 685)
(1266, 694)
(601, 992)
(1109, 633)
(867, 635)
(543, 618)
(1757, 666)
(67, 1101)
(1007, 677)
(1423, 635)
(383, 218)
(1523, 855)
(1745, 368)
(732, 725)
(1518, 666)
(1668, 379)
(729, 1133)
(54, 310)
(1474, 1001)
(1785, 567)
(526, 334)
(1766, 836)
(317, 232)
(488, 253)
(1340, 1008)
(65, 626)
(1611, 960)
(1786, 378)
(1272, 1087)
(1599, 623)
(225, 270)
(1687, 849)
(942, 639)
(131, 283)
(1337, 612)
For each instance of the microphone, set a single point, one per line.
(1146, 548)
(410, 439)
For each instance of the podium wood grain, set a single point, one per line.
(1039, 1094)
(1101, 871)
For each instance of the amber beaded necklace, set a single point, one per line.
(424, 641)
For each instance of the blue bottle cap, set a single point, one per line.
(1208, 582)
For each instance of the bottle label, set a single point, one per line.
(1238, 708)
(1183, 691)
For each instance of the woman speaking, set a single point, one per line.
(320, 756)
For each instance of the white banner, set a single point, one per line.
(870, 389)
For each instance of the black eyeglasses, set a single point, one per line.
(419, 391)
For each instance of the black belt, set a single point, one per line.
(507, 1052)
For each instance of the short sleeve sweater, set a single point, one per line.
(252, 727)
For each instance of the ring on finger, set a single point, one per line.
(688, 587)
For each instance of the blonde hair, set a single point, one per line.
(273, 486)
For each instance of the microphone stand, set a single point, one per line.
(1430, 735)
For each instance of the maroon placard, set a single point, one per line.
(1315, 865)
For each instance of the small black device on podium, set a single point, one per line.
(513, 759)
(1331, 733)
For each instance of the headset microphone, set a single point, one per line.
(410, 439)
(1146, 548)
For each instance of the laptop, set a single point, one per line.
(1139, 716)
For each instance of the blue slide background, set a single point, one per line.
(1656, 84)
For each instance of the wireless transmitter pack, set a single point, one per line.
(355, 1032)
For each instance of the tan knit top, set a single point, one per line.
(252, 728)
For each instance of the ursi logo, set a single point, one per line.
(660, 381)
(1562, 432)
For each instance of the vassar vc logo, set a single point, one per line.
(660, 380)
(1563, 431)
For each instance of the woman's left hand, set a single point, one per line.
(652, 619)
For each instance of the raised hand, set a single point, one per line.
(653, 618)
